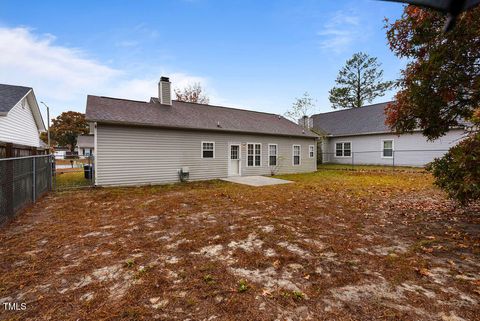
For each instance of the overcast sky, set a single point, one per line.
(252, 54)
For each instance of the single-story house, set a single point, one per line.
(85, 145)
(360, 136)
(60, 152)
(20, 119)
(155, 141)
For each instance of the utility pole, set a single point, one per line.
(48, 124)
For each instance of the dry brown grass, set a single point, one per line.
(336, 245)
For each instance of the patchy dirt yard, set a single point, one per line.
(335, 245)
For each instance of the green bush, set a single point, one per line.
(458, 172)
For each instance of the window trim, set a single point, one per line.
(343, 149)
(254, 155)
(201, 149)
(383, 147)
(299, 155)
(313, 151)
(276, 156)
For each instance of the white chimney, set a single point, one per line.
(305, 122)
(165, 91)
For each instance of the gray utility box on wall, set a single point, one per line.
(184, 174)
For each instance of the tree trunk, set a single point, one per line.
(359, 103)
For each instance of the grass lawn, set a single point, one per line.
(370, 167)
(335, 245)
(71, 179)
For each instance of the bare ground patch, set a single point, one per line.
(335, 245)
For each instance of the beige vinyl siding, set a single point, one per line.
(408, 149)
(19, 126)
(141, 155)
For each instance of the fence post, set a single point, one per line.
(50, 172)
(9, 176)
(34, 178)
(353, 160)
(53, 165)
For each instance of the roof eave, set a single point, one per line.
(360, 134)
(112, 122)
(37, 115)
(385, 132)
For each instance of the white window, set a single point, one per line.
(208, 149)
(343, 149)
(272, 154)
(234, 152)
(254, 155)
(296, 155)
(387, 148)
(311, 151)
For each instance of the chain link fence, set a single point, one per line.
(22, 181)
(391, 158)
(74, 173)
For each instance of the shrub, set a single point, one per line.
(458, 171)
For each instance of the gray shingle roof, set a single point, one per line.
(85, 141)
(10, 95)
(354, 121)
(189, 116)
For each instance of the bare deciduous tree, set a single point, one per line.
(193, 93)
(302, 107)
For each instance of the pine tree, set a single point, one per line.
(358, 82)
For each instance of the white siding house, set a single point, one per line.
(20, 118)
(406, 150)
(139, 143)
(85, 145)
(360, 136)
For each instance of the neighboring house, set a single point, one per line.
(85, 145)
(20, 119)
(42, 144)
(360, 136)
(60, 152)
(139, 142)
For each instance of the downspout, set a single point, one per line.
(95, 153)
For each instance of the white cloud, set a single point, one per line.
(144, 88)
(63, 76)
(340, 32)
(58, 72)
(180, 80)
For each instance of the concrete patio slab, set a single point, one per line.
(256, 180)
